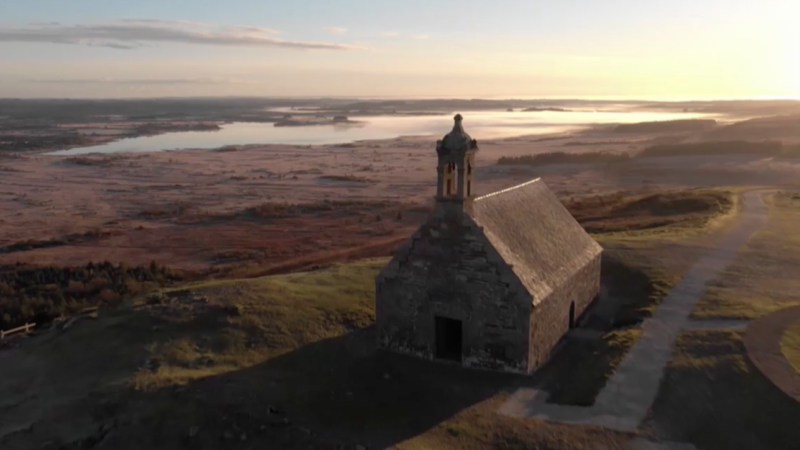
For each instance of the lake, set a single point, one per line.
(480, 125)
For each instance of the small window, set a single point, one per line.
(469, 188)
(469, 169)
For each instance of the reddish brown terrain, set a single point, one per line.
(274, 207)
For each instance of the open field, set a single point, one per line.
(191, 210)
(40, 294)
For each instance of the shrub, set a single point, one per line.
(541, 159)
(40, 294)
(765, 148)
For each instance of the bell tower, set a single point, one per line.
(455, 169)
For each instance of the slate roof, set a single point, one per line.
(535, 233)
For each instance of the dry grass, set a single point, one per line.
(713, 397)
(765, 276)
(346, 178)
(765, 148)
(541, 159)
(276, 210)
(790, 345)
(624, 213)
(94, 161)
(167, 211)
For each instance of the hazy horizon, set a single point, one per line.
(412, 49)
(632, 99)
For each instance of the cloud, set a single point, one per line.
(421, 36)
(143, 82)
(135, 33)
(248, 29)
(390, 34)
(335, 30)
(163, 22)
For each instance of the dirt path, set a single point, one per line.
(626, 398)
(763, 343)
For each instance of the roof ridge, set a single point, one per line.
(503, 191)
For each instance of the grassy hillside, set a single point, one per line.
(285, 361)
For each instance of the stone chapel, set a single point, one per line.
(490, 282)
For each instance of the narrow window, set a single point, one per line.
(450, 176)
(572, 315)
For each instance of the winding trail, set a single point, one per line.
(626, 398)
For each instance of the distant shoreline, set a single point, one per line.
(46, 126)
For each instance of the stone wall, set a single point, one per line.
(449, 269)
(550, 316)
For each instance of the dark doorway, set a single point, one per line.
(448, 339)
(572, 315)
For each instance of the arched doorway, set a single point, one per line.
(572, 315)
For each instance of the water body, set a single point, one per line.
(479, 124)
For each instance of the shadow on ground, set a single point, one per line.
(335, 393)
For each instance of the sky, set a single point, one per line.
(626, 49)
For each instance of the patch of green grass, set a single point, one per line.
(247, 322)
(712, 396)
(737, 302)
(790, 345)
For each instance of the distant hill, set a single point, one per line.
(667, 126)
(535, 109)
(775, 127)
